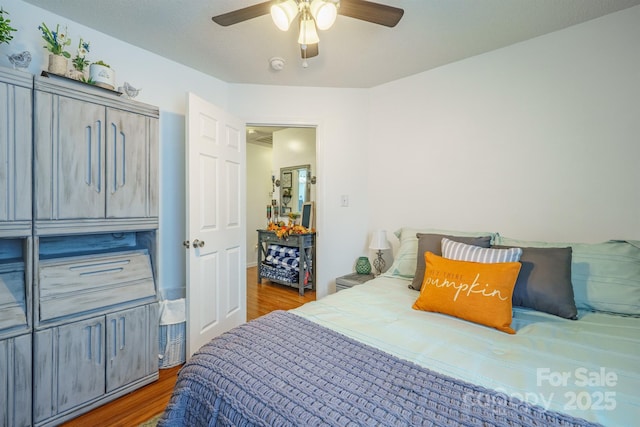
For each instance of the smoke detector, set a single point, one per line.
(277, 63)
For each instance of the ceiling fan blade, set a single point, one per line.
(369, 11)
(311, 51)
(243, 14)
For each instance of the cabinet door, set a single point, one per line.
(15, 153)
(127, 165)
(80, 362)
(69, 366)
(15, 381)
(69, 151)
(131, 349)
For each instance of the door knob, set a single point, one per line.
(186, 244)
(198, 243)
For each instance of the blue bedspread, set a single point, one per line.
(283, 370)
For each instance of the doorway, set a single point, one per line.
(271, 149)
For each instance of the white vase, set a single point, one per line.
(57, 64)
(103, 76)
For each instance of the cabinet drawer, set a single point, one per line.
(270, 237)
(292, 240)
(78, 284)
(12, 296)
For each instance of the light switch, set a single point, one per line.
(344, 201)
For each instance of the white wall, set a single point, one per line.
(295, 147)
(259, 188)
(539, 140)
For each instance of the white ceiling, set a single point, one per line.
(353, 53)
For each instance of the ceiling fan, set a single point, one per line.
(312, 15)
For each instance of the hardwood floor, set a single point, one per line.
(141, 405)
(265, 297)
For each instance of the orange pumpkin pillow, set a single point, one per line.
(473, 291)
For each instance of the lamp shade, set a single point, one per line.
(284, 13)
(308, 34)
(324, 13)
(379, 240)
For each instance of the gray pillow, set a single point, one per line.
(433, 243)
(544, 282)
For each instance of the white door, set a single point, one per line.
(216, 200)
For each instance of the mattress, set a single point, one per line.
(586, 368)
(284, 370)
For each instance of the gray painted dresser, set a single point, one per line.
(15, 247)
(83, 270)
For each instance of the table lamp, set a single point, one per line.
(379, 243)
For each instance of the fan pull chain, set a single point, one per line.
(305, 64)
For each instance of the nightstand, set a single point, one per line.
(352, 279)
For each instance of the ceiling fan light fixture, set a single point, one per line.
(308, 34)
(324, 12)
(284, 13)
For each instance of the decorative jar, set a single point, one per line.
(102, 76)
(57, 64)
(363, 266)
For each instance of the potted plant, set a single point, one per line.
(80, 63)
(5, 28)
(102, 75)
(56, 41)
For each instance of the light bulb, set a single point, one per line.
(308, 33)
(324, 13)
(284, 13)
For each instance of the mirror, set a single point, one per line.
(295, 188)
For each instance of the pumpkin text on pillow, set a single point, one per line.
(473, 291)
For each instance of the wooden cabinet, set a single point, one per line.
(15, 152)
(351, 280)
(79, 362)
(96, 160)
(130, 193)
(95, 222)
(132, 346)
(13, 292)
(15, 381)
(69, 285)
(15, 247)
(303, 276)
(78, 239)
(69, 367)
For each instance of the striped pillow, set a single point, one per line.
(463, 252)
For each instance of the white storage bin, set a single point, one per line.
(172, 334)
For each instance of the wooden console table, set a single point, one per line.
(306, 244)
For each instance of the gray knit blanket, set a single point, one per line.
(283, 370)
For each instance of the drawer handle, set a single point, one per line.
(88, 266)
(105, 271)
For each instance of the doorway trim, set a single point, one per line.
(322, 285)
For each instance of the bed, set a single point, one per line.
(367, 356)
